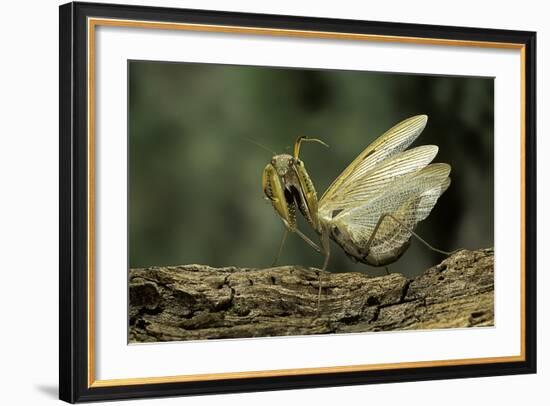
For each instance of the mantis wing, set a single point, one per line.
(374, 182)
(393, 141)
(409, 199)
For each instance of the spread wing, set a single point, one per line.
(375, 181)
(410, 199)
(392, 142)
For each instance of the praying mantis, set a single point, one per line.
(371, 209)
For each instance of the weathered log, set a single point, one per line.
(193, 302)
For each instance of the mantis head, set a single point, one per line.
(286, 184)
(282, 164)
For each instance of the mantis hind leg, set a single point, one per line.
(391, 216)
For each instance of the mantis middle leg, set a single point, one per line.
(303, 237)
(325, 245)
(281, 245)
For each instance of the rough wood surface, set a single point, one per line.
(194, 302)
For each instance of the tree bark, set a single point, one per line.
(195, 302)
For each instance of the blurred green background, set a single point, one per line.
(195, 180)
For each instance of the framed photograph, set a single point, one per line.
(256, 202)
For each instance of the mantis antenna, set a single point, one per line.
(257, 144)
(303, 138)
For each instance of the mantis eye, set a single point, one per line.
(291, 161)
(273, 161)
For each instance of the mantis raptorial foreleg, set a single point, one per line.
(391, 216)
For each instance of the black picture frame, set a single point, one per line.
(74, 385)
